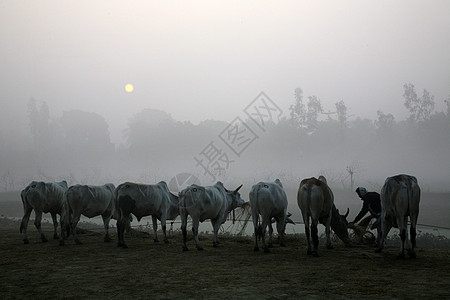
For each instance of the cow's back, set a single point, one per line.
(400, 195)
(268, 197)
(46, 196)
(203, 202)
(315, 197)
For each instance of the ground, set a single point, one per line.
(163, 271)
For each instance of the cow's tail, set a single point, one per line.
(306, 191)
(23, 196)
(259, 228)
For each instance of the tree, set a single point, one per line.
(86, 135)
(341, 110)
(314, 108)
(420, 108)
(384, 122)
(298, 110)
(353, 169)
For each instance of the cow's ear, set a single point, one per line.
(235, 191)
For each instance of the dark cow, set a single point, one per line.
(43, 197)
(144, 200)
(316, 201)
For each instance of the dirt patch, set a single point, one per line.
(163, 271)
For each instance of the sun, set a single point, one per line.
(129, 88)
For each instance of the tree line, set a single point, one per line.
(310, 140)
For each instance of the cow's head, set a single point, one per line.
(236, 200)
(339, 225)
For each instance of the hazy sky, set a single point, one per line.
(208, 59)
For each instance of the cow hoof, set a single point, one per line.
(378, 250)
(200, 248)
(329, 246)
(401, 256)
(44, 240)
(166, 241)
(156, 241)
(256, 249)
(61, 243)
(124, 246)
(107, 240)
(266, 250)
(185, 248)
(315, 254)
(215, 245)
(25, 241)
(282, 245)
(55, 237)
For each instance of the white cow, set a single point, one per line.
(43, 197)
(206, 202)
(144, 200)
(269, 200)
(400, 197)
(89, 201)
(316, 201)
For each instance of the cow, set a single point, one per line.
(144, 200)
(316, 201)
(43, 197)
(400, 197)
(207, 202)
(269, 200)
(89, 201)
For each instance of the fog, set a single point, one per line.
(336, 80)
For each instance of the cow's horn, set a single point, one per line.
(238, 188)
(346, 214)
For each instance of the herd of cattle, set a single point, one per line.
(400, 198)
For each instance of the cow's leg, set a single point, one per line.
(412, 230)
(216, 225)
(183, 229)
(270, 245)
(106, 218)
(307, 233)
(328, 232)
(55, 226)
(385, 227)
(163, 226)
(402, 226)
(121, 224)
(155, 228)
(379, 236)
(37, 223)
(281, 226)
(24, 224)
(264, 225)
(119, 232)
(195, 223)
(64, 231)
(315, 237)
(74, 222)
(255, 218)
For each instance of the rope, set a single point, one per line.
(245, 221)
